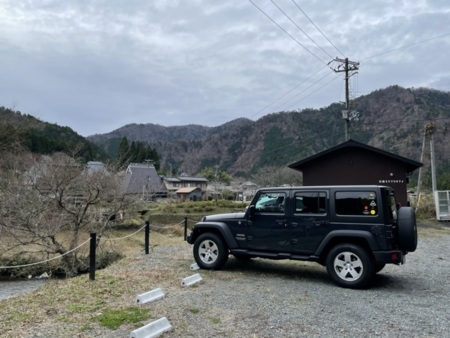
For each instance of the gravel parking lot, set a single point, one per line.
(262, 298)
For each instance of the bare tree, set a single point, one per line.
(272, 176)
(57, 195)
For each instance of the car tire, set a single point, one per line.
(210, 252)
(407, 229)
(379, 267)
(350, 266)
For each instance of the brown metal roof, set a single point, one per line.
(186, 190)
(410, 165)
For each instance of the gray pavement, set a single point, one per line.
(18, 287)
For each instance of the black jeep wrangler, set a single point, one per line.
(352, 230)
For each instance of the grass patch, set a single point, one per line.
(113, 319)
(72, 303)
(215, 320)
(86, 327)
(195, 311)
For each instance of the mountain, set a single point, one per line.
(392, 119)
(19, 130)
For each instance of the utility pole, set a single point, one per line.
(428, 132)
(432, 160)
(349, 68)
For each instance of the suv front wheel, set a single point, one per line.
(350, 266)
(210, 252)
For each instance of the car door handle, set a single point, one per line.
(319, 223)
(282, 222)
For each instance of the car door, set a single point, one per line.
(310, 221)
(268, 228)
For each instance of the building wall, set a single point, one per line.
(357, 166)
(193, 184)
(196, 195)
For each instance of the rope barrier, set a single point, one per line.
(165, 227)
(46, 261)
(127, 236)
(106, 239)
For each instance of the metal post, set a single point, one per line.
(185, 228)
(347, 100)
(93, 245)
(147, 237)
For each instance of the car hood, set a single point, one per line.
(220, 217)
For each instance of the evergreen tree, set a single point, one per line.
(123, 154)
(133, 152)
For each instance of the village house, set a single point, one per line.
(174, 184)
(142, 180)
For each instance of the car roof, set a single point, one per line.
(347, 187)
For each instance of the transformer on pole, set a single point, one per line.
(349, 68)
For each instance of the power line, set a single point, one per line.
(286, 32)
(403, 120)
(287, 16)
(379, 127)
(305, 97)
(281, 28)
(301, 10)
(406, 46)
(312, 139)
(288, 92)
(300, 93)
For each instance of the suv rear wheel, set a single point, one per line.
(350, 266)
(210, 252)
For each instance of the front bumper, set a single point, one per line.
(189, 238)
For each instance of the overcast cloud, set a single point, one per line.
(97, 65)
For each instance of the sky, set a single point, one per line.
(97, 65)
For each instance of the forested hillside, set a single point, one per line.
(21, 131)
(392, 119)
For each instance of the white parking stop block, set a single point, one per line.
(191, 280)
(153, 329)
(194, 266)
(150, 296)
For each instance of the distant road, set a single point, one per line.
(18, 287)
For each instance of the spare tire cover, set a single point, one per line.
(407, 229)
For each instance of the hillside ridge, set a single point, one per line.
(391, 119)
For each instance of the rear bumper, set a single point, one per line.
(389, 257)
(189, 238)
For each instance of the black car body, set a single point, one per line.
(357, 229)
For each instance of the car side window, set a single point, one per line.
(310, 202)
(273, 202)
(356, 203)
